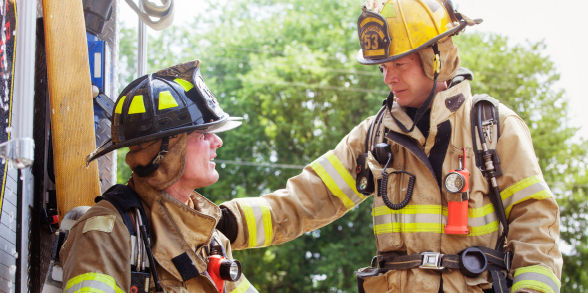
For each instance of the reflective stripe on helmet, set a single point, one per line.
(537, 278)
(186, 85)
(92, 282)
(166, 100)
(119, 105)
(529, 188)
(337, 179)
(137, 105)
(244, 287)
(259, 221)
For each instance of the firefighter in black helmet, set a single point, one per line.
(168, 119)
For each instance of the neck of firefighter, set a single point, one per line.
(180, 192)
(441, 86)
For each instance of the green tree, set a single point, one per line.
(289, 68)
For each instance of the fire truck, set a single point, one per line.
(57, 81)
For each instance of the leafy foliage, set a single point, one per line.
(289, 68)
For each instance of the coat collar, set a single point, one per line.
(178, 229)
(442, 107)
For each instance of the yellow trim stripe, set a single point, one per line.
(137, 105)
(337, 179)
(316, 166)
(166, 100)
(529, 188)
(118, 109)
(244, 287)
(186, 85)
(431, 219)
(537, 278)
(408, 228)
(92, 282)
(267, 225)
(483, 230)
(251, 225)
(258, 217)
(344, 174)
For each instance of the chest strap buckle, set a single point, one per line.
(431, 261)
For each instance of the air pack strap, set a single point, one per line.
(127, 201)
(485, 125)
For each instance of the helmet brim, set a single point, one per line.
(215, 127)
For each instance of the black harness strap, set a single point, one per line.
(484, 117)
(411, 146)
(127, 201)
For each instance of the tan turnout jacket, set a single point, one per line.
(98, 248)
(325, 191)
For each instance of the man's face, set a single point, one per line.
(199, 170)
(407, 80)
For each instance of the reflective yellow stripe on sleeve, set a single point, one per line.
(258, 216)
(537, 278)
(244, 287)
(92, 282)
(337, 179)
(529, 188)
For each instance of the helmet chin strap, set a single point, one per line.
(144, 171)
(427, 103)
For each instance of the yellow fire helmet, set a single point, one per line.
(391, 29)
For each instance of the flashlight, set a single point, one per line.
(221, 269)
(457, 183)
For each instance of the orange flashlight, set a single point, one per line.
(221, 269)
(457, 182)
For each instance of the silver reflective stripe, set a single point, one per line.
(529, 188)
(431, 218)
(536, 277)
(90, 286)
(257, 212)
(410, 219)
(409, 214)
(337, 179)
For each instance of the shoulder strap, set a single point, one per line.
(485, 124)
(125, 200)
(485, 110)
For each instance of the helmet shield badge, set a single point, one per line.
(373, 35)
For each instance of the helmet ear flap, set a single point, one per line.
(448, 60)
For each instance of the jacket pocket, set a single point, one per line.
(370, 279)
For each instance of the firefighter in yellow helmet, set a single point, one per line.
(459, 200)
(156, 233)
